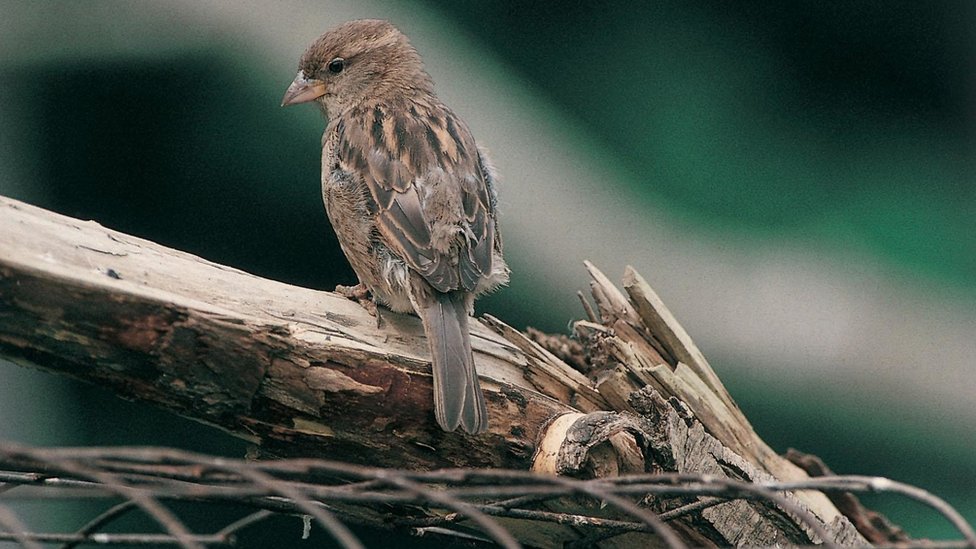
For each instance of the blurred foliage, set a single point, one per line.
(185, 152)
(850, 121)
(863, 433)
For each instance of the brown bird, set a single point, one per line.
(409, 194)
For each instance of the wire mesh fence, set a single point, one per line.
(469, 504)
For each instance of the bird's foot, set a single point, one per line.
(360, 294)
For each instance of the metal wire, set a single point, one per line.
(460, 502)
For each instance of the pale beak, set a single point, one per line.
(303, 90)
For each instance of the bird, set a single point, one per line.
(410, 195)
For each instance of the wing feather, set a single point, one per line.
(427, 187)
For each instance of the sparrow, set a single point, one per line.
(409, 194)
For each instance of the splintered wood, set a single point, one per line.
(670, 404)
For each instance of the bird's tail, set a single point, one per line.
(458, 399)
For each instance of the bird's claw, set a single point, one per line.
(360, 294)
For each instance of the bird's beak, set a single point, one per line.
(303, 90)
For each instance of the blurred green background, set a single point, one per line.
(796, 179)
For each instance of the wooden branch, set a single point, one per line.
(300, 372)
(297, 371)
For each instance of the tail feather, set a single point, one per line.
(458, 399)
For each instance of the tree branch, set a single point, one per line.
(297, 371)
(300, 372)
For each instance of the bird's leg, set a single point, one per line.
(361, 294)
(379, 317)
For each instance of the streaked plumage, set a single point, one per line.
(409, 194)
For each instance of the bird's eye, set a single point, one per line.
(336, 65)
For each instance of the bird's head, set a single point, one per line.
(358, 61)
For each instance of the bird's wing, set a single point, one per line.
(427, 187)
